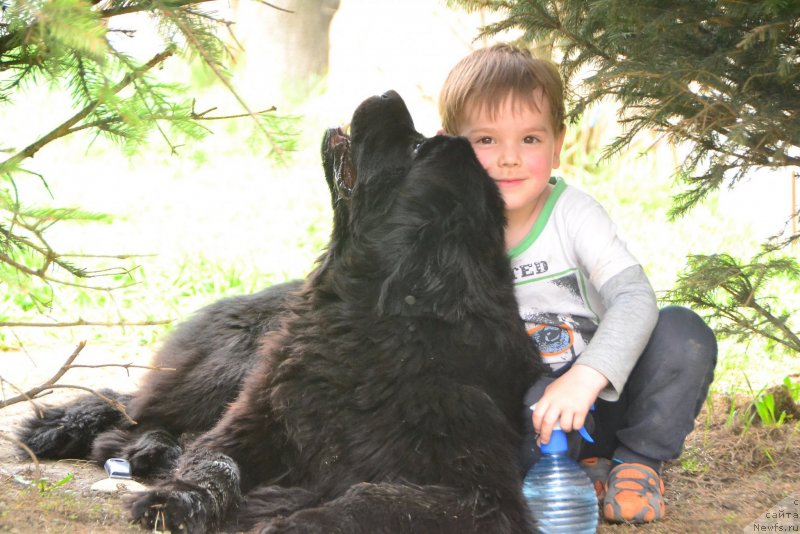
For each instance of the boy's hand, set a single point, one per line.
(567, 400)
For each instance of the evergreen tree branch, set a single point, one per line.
(65, 128)
(65, 42)
(747, 325)
(191, 37)
(11, 40)
(42, 274)
(732, 291)
(147, 6)
(201, 116)
(790, 339)
(48, 255)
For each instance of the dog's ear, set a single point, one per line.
(449, 223)
(340, 176)
(426, 282)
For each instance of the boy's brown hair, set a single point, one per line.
(486, 77)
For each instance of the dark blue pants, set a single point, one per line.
(659, 403)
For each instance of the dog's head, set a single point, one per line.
(420, 231)
(381, 144)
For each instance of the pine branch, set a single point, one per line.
(50, 256)
(146, 6)
(791, 340)
(16, 38)
(66, 40)
(215, 68)
(732, 292)
(65, 128)
(41, 274)
(201, 116)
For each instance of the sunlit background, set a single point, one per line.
(220, 217)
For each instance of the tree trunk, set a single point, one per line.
(286, 49)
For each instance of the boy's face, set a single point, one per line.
(518, 147)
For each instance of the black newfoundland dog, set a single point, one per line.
(381, 396)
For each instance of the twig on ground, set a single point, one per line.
(28, 451)
(126, 366)
(32, 393)
(51, 384)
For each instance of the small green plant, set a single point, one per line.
(768, 455)
(729, 421)
(793, 388)
(765, 408)
(43, 485)
(692, 463)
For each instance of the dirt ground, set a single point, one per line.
(728, 478)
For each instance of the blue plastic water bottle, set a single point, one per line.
(560, 495)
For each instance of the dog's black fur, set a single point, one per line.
(210, 354)
(388, 400)
(387, 390)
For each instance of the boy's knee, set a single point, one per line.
(686, 336)
(683, 325)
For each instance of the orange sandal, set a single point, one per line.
(634, 494)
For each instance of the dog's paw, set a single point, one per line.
(153, 454)
(173, 510)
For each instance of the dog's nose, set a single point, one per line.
(390, 94)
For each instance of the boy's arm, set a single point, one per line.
(605, 364)
(623, 333)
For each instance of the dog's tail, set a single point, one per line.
(67, 431)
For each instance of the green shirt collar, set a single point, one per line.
(558, 187)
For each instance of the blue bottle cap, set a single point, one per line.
(558, 438)
(557, 443)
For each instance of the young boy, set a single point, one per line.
(584, 298)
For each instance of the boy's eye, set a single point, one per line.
(530, 139)
(484, 141)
